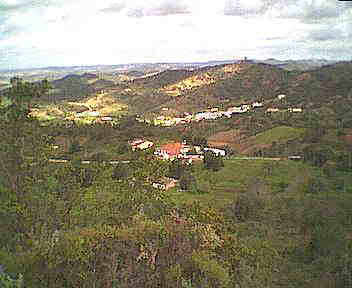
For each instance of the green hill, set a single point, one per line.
(278, 134)
(162, 79)
(322, 85)
(71, 87)
(233, 84)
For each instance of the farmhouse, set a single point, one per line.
(141, 144)
(165, 184)
(172, 151)
(227, 114)
(206, 115)
(295, 110)
(106, 118)
(235, 109)
(217, 152)
(272, 110)
(257, 104)
(246, 107)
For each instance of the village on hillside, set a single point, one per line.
(214, 113)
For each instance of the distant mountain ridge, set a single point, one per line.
(60, 71)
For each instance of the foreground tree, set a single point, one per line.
(23, 154)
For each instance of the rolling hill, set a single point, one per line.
(222, 85)
(232, 84)
(321, 85)
(159, 80)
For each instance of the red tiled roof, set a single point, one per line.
(172, 148)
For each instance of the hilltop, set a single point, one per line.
(174, 92)
(232, 84)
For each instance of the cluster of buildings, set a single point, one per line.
(186, 152)
(90, 116)
(211, 114)
(214, 113)
(291, 110)
(173, 151)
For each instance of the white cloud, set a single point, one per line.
(77, 32)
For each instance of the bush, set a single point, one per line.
(75, 147)
(120, 172)
(188, 183)
(176, 169)
(123, 148)
(212, 162)
(100, 157)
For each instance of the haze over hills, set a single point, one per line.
(139, 69)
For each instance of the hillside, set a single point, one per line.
(223, 86)
(70, 87)
(86, 201)
(159, 80)
(230, 84)
(321, 85)
(233, 84)
(298, 65)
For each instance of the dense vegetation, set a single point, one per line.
(229, 223)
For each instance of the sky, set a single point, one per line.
(41, 33)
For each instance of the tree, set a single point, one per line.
(176, 169)
(188, 182)
(23, 148)
(75, 147)
(212, 162)
(344, 161)
(123, 148)
(317, 155)
(7, 282)
(199, 141)
(228, 150)
(120, 172)
(249, 205)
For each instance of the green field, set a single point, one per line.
(225, 185)
(279, 134)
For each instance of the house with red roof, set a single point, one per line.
(172, 150)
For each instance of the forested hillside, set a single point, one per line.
(79, 208)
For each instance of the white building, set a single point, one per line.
(295, 110)
(228, 114)
(236, 109)
(217, 152)
(206, 116)
(281, 96)
(257, 104)
(272, 110)
(246, 107)
(106, 118)
(141, 144)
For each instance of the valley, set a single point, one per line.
(238, 171)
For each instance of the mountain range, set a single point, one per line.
(56, 72)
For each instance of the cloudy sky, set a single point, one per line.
(39, 33)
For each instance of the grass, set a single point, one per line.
(5, 101)
(234, 178)
(279, 134)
